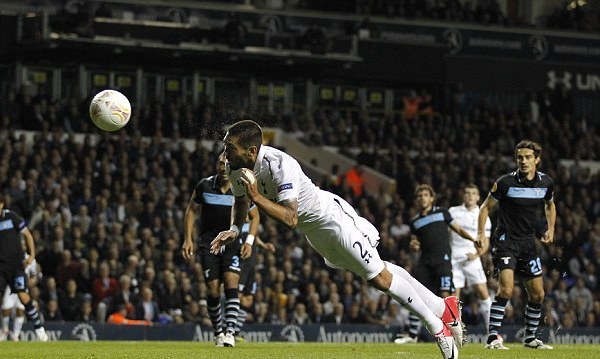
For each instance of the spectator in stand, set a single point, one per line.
(70, 301)
(337, 316)
(103, 287)
(120, 317)
(147, 308)
(355, 180)
(51, 312)
(439, 143)
(124, 297)
(411, 104)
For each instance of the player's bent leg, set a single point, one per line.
(34, 316)
(232, 306)
(533, 313)
(18, 325)
(485, 302)
(435, 303)
(452, 318)
(404, 293)
(438, 305)
(399, 289)
(505, 289)
(5, 324)
(446, 343)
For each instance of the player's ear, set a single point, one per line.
(252, 150)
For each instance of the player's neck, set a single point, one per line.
(529, 176)
(426, 210)
(224, 185)
(470, 207)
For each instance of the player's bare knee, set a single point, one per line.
(537, 296)
(506, 291)
(382, 281)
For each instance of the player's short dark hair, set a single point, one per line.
(247, 132)
(532, 145)
(424, 187)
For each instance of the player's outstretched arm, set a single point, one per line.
(239, 212)
(550, 210)
(463, 233)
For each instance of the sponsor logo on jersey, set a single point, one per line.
(6, 224)
(284, 186)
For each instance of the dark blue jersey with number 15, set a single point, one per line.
(432, 231)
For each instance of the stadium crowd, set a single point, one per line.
(107, 215)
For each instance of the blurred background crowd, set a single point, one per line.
(107, 215)
(435, 92)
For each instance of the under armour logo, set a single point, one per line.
(505, 259)
(409, 300)
(564, 80)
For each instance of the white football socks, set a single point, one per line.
(435, 303)
(405, 294)
(485, 306)
(18, 325)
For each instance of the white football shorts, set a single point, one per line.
(468, 271)
(11, 300)
(347, 241)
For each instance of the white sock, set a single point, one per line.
(17, 325)
(485, 306)
(405, 294)
(5, 323)
(435, 303)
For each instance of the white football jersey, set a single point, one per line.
(280, 178)
(468, 220)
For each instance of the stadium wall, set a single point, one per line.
(325, 333)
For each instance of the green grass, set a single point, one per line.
(185, 350)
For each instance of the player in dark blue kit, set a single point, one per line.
(248, 285)
(521, 195)
(430, 233)
(213, 197)
(12, 265)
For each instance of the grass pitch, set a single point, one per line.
(179, 350)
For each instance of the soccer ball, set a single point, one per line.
(110, 110)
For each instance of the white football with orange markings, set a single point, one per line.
(110, 110)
